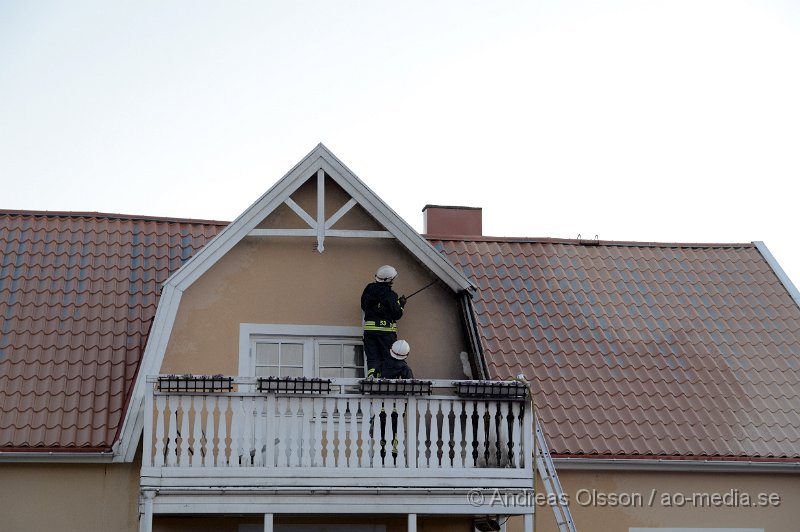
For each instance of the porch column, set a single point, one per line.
(268, 523)
(412, 522)
(146, 519)
(527, 523)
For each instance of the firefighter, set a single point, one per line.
(382, 308)
(396, 366)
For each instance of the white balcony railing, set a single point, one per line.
(339, 430)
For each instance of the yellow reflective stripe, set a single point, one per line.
(382, 326)
(381, 329)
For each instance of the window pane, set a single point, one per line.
(291, 372)
(327, 373)
(292, 354)
(330, 355)
(353, 373)
(266, 354)
(352, 355)
(267, 371)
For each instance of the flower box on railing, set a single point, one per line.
(395, 387)
(195, 383)
(301, 385)
(491, 389)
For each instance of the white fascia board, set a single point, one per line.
(404, 233)
(784, 279)
(151, 363)
(325, 501)
(675, 465)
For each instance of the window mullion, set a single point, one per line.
(309, 357)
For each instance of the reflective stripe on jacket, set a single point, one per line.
(381, 308)
(380, 326)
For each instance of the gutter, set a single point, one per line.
(473, 335)
(686, 466)
(54, 457)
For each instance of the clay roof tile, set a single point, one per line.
(667, 349)
(75, 290)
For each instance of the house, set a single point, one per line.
(658, 371)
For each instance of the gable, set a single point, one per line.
(308, 244)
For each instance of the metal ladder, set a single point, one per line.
(547, 472)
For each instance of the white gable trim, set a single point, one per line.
(784, 279)
(320, 158)
(151, 362)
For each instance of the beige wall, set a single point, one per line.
(69, 497)
(282, 280)
(590, 514)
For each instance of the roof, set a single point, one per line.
(642, 350)
(77, 293)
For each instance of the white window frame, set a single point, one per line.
(249, 333)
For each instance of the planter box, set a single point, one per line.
(293, 385)
(395, 387)
(491, 389)
(195, 383)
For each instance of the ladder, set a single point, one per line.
(547, 472)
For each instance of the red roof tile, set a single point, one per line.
(642, 349)
(77, 292)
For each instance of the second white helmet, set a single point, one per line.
(400, 350)
(385, 274)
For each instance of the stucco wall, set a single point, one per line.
(590, 493)
(284, 280)
(69, 497)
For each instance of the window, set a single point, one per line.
(300, 350)
(340, 359)
(279, 358)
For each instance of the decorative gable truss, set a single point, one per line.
(320, 227)
(320, 164)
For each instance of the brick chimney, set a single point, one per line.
(445, 220)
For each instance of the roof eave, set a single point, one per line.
(58, 456)
(687, 465)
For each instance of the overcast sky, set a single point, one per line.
(673, 121)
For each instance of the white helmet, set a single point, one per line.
(385, 274)
(400, 350)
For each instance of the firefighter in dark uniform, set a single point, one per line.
(382, 308)
(396, 367)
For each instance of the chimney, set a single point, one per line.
(446, 220)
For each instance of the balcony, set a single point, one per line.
(334, 451)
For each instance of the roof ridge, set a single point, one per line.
(587, 242)
(114, 216)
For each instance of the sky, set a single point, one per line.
(669, 121)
